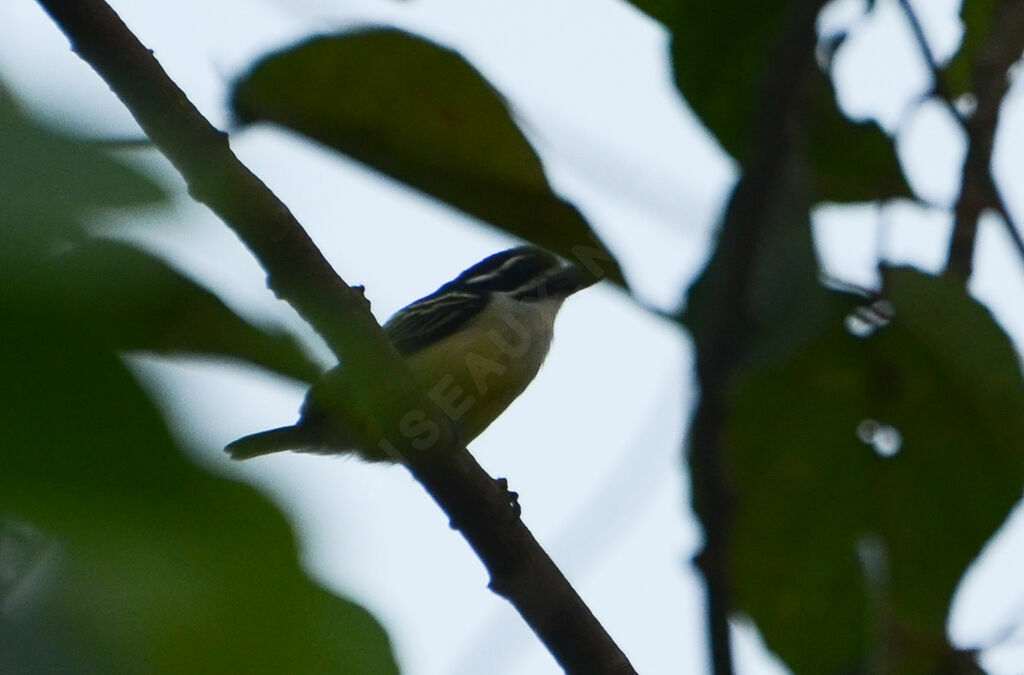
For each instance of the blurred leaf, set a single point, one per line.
(764, 243)
(161, 567)
(812, 495)
(722, 54)
(976, 16)
(659, 10)
(720, 57)
(48, 183)
(849, 161)
(421, 114)
(152, 565)
(139, 302)
(44, 173)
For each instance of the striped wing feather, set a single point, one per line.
(427, 321)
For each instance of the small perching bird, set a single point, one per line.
(473, 345)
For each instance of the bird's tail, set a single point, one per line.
(266, 442)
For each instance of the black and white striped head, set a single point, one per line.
(525, 273)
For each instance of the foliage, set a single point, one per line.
(423, 115)
(836, 539)
(846, 560)
(117, 553)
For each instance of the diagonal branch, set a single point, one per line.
(1011, 226)
(989, 82)
(298, 273)
(939, 87)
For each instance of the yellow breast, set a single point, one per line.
(476, 373)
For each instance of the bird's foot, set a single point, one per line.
(513, 497)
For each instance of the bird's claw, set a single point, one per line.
(513, 497)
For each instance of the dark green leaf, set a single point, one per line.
(659, 10)
(138, 302)
(722, 57)
(157, 566)
(765, 243)
(117, 554)
(945, 376)
(849, 161)
(421, 114)
(48, 183)
(43, 174)
(976, 16)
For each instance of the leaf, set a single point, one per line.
(157, 567)
(850, 161)
(811, 494)
(765, 243)
(138, 302)
(48, 183)
(720, 58)
(422, 115)
(117, 554)
(659, 10)
(977, 17)
(722, 55)
(43, 173)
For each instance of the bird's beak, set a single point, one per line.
(570, 279)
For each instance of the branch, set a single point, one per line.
(298, 273)
(728, 282)
(989, 82)
(1008, 222)
(939, 87)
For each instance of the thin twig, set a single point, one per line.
(1011, 226)
(989, 83)
(939, 88)
(520, 570)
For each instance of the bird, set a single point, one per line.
(473, 345)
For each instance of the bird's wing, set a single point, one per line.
(432, 318)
